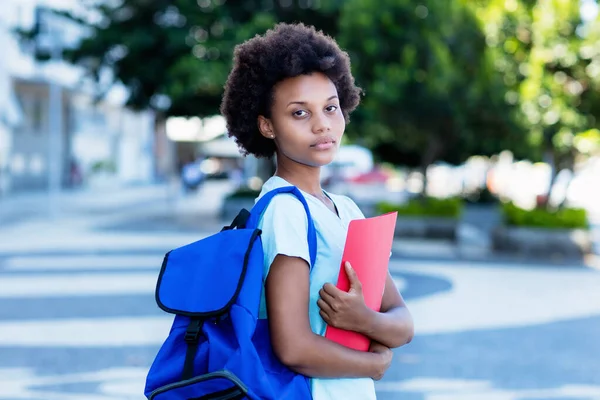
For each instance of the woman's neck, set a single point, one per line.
(305, 178)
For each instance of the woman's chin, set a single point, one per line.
(316, 160)
(322, 161)
(325, 158)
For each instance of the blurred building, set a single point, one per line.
(99, 142)
(10, 112)
(28, 168)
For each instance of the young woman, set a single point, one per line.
(289, 94)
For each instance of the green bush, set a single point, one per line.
(244, 193)
(103, 166)
(425, 207)
(567, 218)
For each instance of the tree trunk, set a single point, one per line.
(566, 162)
(431, 153)
(564, 199)
(550, 159)
(570, 166)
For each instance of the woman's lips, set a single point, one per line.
(323, 146)
(323, 143)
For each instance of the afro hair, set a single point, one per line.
(286, 51)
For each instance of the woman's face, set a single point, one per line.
(306, 120)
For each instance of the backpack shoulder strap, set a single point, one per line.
(259, 208)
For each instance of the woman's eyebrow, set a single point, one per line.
(304, 102)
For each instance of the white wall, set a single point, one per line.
(105, 132)
(135, 157)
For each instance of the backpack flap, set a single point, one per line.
(187, 283)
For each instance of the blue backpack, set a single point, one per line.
(217, 347)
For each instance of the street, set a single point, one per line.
(78, 319)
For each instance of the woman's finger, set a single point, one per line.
(332, 290)
(325, 317)
(324, 306)
(327, 296)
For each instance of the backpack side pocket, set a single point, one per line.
(219, 385)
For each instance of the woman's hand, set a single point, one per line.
(343, 310)
(386, 359)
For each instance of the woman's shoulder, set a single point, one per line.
(284, 210)
(285, 203)
(282, 199)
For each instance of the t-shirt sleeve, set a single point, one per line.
(284, 228)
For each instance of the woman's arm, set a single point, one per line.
(392, 326)
(294, 343)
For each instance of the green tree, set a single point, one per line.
(175, 55)
(546, 54)
(431, 92)
(590, 54)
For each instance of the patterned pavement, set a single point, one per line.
(85, 326)
(78, 320)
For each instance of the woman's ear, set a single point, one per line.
(265, 127)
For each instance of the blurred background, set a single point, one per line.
(479, 126)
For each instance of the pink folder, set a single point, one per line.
(368, 247)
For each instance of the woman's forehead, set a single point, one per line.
(305, 88)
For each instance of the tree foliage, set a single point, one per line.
(541, 48)
(431, 90)
(443, 79)
(178, 50)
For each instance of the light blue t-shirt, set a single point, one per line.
(284, 225)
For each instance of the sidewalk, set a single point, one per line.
(157, 218)
(20, 207)
(124, 219)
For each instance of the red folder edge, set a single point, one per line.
(368, 247)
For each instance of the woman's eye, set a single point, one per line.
(331, 108)
(300, 113)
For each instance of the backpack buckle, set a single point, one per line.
(192, 333)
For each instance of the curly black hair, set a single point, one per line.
(286, 51)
